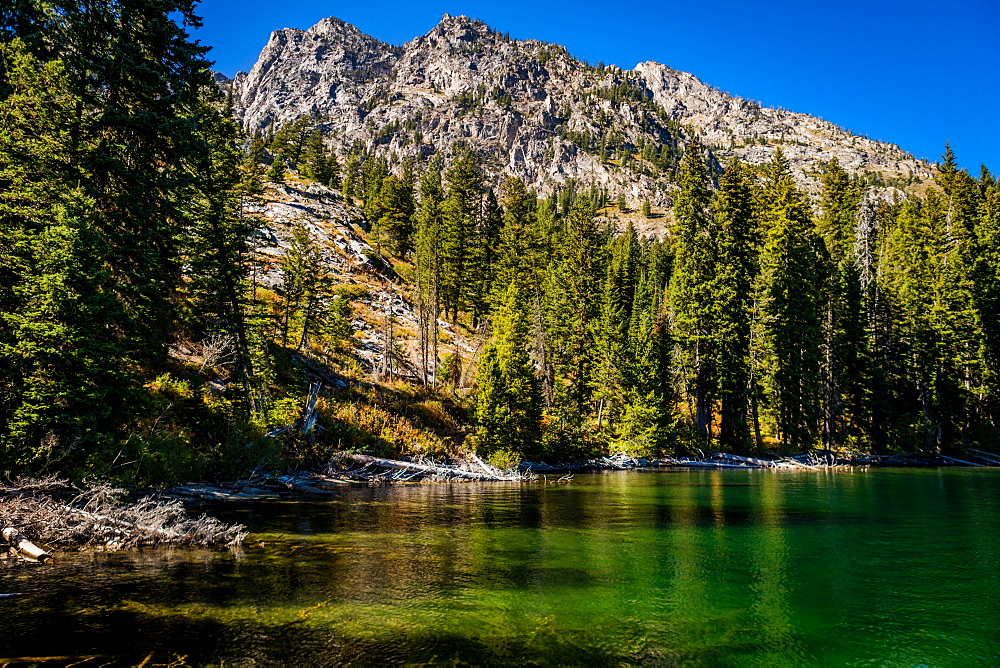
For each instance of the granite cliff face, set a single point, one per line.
(530, 109)
(744, 128)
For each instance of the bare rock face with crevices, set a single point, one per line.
(531, 110)
(745, 129)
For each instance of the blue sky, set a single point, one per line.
(917, 73)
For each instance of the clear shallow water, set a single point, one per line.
(892, 567)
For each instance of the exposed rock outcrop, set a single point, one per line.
(335, 226)
(530, 109)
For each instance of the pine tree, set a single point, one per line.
(460, 213)
(216, 250)
(787, 293)
(846, 369)
(839, 205)
(572, 295)
(333, 169)
(516, 257)
(292, 139)
(276, 172)
(692, 299)
(428, 264)
(508, 399)
(253, 173)
(615, 364)
(303, 283)
(929, 273)
(736, 269)
(122, 109)
(986, 278)
(316, 160)
(139, 79)
(391, 215)
(482, 256)
(644, 418)
(352, 178)
(374, 171)
(64, 381)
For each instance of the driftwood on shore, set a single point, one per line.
(52, 512)
(356, 469)
(16, 543)
(343, 471)
(828, 459)
(434, 469)
(811, 461)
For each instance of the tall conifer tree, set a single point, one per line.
(460, 214)
(787, 293)
(736, 268)
(508, 399)
(572, 307)
(692, 298)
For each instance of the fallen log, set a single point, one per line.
(763, 463)
(301, 486)
(959, 461)
(795, 463)
(986, 456)
(18, 543)
(320, 479)
(490, 470)
(714, 465)
(424, 468)
(213, 494)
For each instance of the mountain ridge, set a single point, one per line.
(532, 110)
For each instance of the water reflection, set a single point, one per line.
(700, 567)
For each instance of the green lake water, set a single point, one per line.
(705, 567)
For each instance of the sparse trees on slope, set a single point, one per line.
(427, 242)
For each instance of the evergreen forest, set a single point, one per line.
(765, 318)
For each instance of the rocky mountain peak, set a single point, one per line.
(334, 26)
(460, 27)
(530, 109)
(454, 34)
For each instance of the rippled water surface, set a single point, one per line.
(891, 567)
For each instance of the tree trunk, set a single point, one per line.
(17, 542)
(409, 466)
